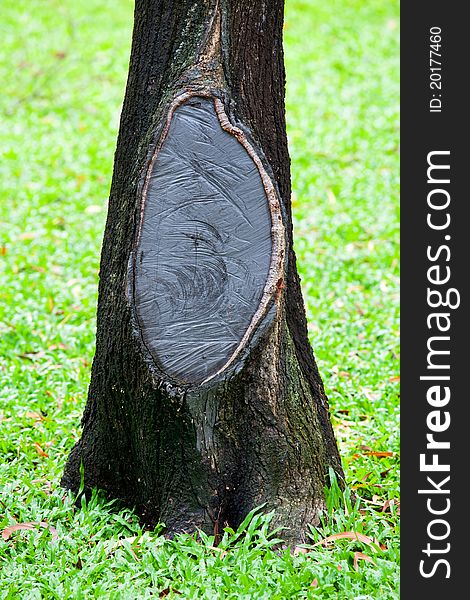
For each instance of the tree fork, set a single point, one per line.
(205, 400)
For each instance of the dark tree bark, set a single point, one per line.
(205, 400)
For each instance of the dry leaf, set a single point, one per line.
(4, 419)
(379, 454)
(331, 196)
(299, 550)
(365, 484)
(80, 179)
(6, 533)
(32, 355)
(223, 553)
(132, 551)
(122, 542)
(28, 235)
(167, 590)
(125, 543)
(40, 451)
(361, 556)
(128, 540)
(93, 209)
(394, 379)
(369, 394)
(34, 415)
(381, 546)
(59, 346)
(386, 505)
(359, 309)
(46, 485)
(347, 535)
(314, 583)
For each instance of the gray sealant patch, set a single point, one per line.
(204, 250)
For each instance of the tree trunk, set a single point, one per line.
(205, 400)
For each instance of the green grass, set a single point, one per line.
(63, 68)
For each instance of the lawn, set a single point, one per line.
(63, 70)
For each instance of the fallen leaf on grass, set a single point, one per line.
(127, 544)
(359, 309)
(6, 533)
(300, 550)
(389, 503)
(32, 356)
(366, 451)
(336, 371)
(28, 235)
(134, 540)
(128, 540)
(348, 535)
(223, 553)
(132, 551)
(386, 505)
(46, 485)
(381, 546)
(34, 415)
(59, 346)
(330, 196)
(361, 556)
(379, 454)
(314, 583)
(166, 591)
(80, 179)
(370, 395)
(40, 451)
(365, 484)
(92, 209)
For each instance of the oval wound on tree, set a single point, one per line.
(204, 255)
